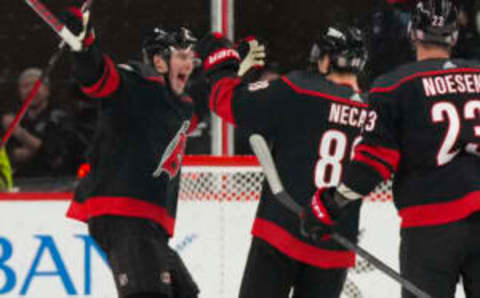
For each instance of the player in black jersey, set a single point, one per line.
(427, 134)
(312, 119)
(129, 198)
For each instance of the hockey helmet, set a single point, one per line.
(162, 41)
(345, 46)
(434, 21)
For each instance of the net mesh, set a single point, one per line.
(382, 193)
(237, 178)
(216, 183)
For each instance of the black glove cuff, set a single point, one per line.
(333, 207)
(88, 65)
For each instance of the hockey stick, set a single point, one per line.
(262, 152)
(57, 26)
(52, 21)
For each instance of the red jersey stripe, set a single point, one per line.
(107, 84)
(300, 90)
(121, 206)
(389, 156)
(221, 98)
(378, 166)
(440, 213)
(418, 75)
(301, 251)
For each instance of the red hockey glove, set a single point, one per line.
(78, 23)
(217, 54)
(318, 220)
(252, 54)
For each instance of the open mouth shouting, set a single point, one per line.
(181, 66)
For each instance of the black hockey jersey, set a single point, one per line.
(428, 134)
(139, 143)
(312, 125)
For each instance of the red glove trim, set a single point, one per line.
(88, 41)
(220, 56)
(246, 39)
(319, 209)
(76, 12)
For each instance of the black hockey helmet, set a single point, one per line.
(345, 46)
(163, 41)
(434, 21)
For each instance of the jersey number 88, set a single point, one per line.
(332, 150)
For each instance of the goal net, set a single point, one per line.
(218, 197)
(237, 178)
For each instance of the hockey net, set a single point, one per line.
(236, 178)
(218, 198)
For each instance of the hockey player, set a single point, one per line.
(312, 119)
(129, 198)
(427, 133)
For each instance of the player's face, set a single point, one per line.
(181, 66)
(160, 64)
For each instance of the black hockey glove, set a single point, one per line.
(78, 23)
(318, 220)
(218, 55)
(252, 54)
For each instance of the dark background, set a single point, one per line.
(287, 27)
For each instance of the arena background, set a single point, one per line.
(42, 254)
(288, 30)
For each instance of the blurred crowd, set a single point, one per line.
(53, 141)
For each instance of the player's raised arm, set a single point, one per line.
(240, 103)
(95, 71)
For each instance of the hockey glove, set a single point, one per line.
(78, 23)
(318, 220)
(252, 54)
(218, 55)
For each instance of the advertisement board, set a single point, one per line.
(43, 254)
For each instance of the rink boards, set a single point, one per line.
(43, 254)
